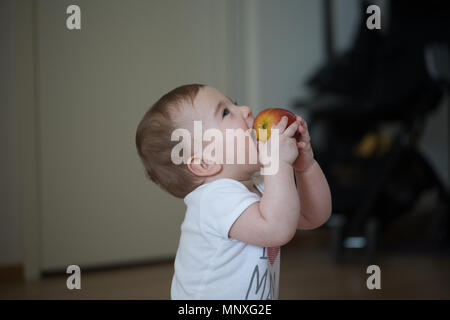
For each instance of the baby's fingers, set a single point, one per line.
(281, 125)
(303, 129)
(302, 144)
(292, 129)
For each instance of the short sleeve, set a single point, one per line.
(221, 203)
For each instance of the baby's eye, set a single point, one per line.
(225, 112)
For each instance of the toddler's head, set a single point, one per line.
(179, 109)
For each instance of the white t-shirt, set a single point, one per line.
(208, 264)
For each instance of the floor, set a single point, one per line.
(307, 272)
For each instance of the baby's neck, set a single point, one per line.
(246, 179)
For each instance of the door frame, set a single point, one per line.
(28, 143)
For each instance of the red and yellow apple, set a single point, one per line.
(268, 118)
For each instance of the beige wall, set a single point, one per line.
(289, 50)
(88, 201)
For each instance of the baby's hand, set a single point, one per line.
(287, 147)
(305, 153)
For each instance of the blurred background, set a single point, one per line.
(74, 192)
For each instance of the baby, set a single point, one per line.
(236, 219)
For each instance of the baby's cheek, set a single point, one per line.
(239, 148)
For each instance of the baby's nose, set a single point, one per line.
(247, 111)
(248, 116)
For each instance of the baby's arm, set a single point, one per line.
(273, 221)
(315, 197)
(313, 190)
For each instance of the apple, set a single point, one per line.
(270, 117)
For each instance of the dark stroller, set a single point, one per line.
(372, 103)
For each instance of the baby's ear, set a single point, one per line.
(202, 167)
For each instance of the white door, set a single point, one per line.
(94, 85)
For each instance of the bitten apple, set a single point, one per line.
(266, 119)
